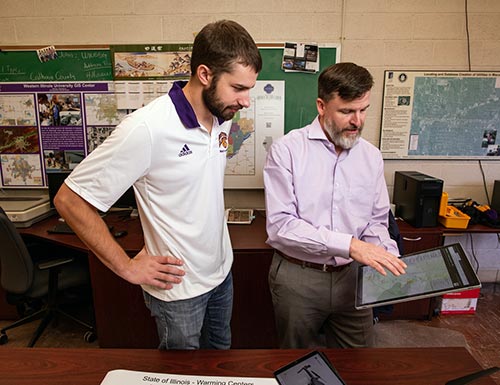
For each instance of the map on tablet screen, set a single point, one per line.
(429, 273)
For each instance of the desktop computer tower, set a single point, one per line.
(495, 198)
(417, 198)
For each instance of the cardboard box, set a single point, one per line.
(462, 302)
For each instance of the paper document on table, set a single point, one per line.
(129, 377)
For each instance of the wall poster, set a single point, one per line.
(441, 115)
(51, 126)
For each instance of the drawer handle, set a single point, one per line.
(412, 239)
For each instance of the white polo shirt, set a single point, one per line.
(177, 169)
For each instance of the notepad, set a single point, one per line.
(239, 216)
(430, 273)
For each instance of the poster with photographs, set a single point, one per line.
(47, 127)
(300, 57)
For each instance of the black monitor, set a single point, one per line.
(56, 178)
(127, 200)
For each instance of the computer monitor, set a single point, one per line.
(56, 178)
(54, 181)
(127, 200)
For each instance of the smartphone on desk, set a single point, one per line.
(312, 369)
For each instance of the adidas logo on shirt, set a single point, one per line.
(185, 151)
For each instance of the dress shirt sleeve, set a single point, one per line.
(286, 231)
(377, 230)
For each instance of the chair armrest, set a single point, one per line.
(54, 262)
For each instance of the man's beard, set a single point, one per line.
(338, 137)
(215, 106)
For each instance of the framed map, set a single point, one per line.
(441, 115)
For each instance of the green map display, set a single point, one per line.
(429, 273)
(424, 274)
(441, 115)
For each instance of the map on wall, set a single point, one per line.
(252, 132)
(441, 115)
(17, 110)
(101, 109)
(21, 170)
(241, 149)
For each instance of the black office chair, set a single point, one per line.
(27, 277)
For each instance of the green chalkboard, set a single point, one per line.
(69, 66)
(301, 89)
(95, 65)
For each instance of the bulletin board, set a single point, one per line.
(82, 77)
(301, 89)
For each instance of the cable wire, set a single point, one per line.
(467, 33)
(484, 183)
(473, 252)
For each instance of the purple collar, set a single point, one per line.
(182, 106)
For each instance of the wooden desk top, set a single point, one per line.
(132, 242)
(440, 229)
(58, 366)
(243, 237)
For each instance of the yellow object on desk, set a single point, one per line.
(443, 204)
(454, 218)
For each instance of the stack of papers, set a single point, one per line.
(129, 377)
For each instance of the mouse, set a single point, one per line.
(120, 233)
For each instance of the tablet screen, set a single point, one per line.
(313, 369)
(429, 273)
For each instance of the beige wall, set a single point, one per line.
(379, 34)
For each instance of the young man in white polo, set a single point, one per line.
(173, 151)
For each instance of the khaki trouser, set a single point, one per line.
(316, 309)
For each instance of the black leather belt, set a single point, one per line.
(312, 265)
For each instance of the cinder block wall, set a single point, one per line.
(379, 34)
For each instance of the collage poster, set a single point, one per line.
(51, 126)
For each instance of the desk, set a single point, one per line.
(424, 366)
(122, 319)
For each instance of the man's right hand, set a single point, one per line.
(159, 271)
(376, 257)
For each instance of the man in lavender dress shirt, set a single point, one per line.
(327, 206)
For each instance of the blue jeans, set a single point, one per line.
(201, 322)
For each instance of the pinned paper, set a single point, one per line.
(300, 57)
(47, 53)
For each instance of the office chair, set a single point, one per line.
(25, 280)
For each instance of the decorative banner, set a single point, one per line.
(151, 61)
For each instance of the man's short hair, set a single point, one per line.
(347, 80)
(222, 44)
